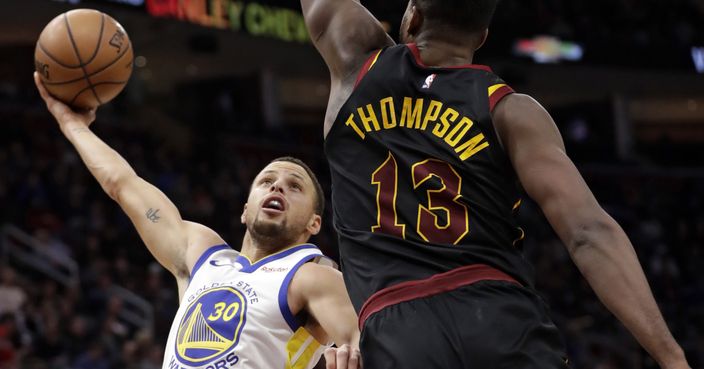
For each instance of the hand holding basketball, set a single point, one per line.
(64, 115)
(84, 58)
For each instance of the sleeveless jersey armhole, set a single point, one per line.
(324, 260)
(288, 315)
(367, 66)
(496, 93)
(205, 256)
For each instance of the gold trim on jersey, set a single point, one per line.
(517, 205)
(521, 237)
(417, 182)
(378, 227)
(375, 60)
(495, 88)
(300, 349)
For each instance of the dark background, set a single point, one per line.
(207, 108)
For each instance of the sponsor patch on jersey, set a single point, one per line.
(429, 81)
(273, 270)
(211, 326)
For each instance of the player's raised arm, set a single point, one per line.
(597, 244)
(344, 32)
(174, 243)
(320, 291)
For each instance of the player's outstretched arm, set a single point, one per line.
(174, 243)
(597, 244)
(320, 291)
(344, 32)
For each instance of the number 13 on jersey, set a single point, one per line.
(446, 199)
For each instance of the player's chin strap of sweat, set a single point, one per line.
(434, 285)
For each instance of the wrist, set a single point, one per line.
(672, 357)
(70, 127)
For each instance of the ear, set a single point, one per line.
(416, 21)
(482, 38)
(243, 218)
(314, 224)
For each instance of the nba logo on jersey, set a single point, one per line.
(429, 81)
(211, 326)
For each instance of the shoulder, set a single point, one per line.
(311, 281)
(315, 277)
(315, 269)
(201, 239)
(519, 112)
(515, 105)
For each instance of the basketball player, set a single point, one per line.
(274, 305)
(426, 152)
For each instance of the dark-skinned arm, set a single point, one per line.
(596, 243)
(344, 32)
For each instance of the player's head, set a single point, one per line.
(285, 204)
(447, 19)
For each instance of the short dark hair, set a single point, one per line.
(464, 15)
(319, 194)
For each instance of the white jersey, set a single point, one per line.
(235, 314)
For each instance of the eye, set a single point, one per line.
(266, 181)
(296, 186)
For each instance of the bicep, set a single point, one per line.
(535, 147)
(344, 32)
(321, 291)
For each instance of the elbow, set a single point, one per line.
(591, 236)
(114, 184)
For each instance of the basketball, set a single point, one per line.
(84, 58)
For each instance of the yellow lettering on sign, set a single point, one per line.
(234, 12)
(280, 23)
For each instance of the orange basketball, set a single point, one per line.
(84, 58)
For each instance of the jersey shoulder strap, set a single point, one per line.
(497, 90)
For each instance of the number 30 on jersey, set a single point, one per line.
(444, 199)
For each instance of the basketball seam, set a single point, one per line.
(97, 84)
(129, 46)
(100, 38)
(57, 61)
(78, 55)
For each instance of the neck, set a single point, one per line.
(255, 249)
(437, 52)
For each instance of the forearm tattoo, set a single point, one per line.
(153, 215)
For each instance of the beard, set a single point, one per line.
(272, 235)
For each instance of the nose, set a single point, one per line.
(277, 186)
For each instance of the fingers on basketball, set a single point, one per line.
(84, 58)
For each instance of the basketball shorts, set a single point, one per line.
(488, 324)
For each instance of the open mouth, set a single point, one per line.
(274, 203)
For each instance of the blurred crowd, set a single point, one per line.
(205, 164)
